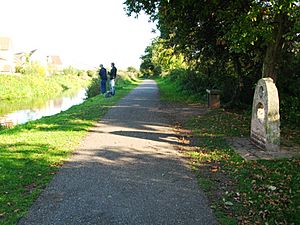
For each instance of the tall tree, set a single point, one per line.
(197, 27)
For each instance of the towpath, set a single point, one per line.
(126, 171)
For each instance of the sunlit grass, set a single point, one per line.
(32, 153)
(171, 91)
(16, 87)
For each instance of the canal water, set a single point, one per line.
(48, 108)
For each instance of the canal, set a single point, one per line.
(47, 107)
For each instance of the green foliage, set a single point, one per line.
(290, 111)
(124, 78)
(30, 86)
(71, 71)
(94, 87)
(32, 68)
(91, 73)
(160, 60)
(147, 67)
(226, 45)
(195, 27)
(171, 90)
(288, 86)
(133, 72)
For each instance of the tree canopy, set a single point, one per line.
(196, 27)
(226, 44)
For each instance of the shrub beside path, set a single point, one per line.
(126, 171)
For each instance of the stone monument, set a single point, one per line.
(265, 122)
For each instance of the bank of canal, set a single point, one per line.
(47, 107)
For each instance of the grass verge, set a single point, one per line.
(240, 192)
(14, 87)
(32, 153)
(171, 91)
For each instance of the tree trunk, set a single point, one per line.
(273, 52)
(235, 99)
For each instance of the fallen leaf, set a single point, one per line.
(272, 188)
(214, 169)
(228, 203)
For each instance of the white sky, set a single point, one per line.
(84, 33)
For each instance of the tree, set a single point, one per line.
(206, 27)
(267, 26)
(159, 59)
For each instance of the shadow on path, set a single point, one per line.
(126, 171)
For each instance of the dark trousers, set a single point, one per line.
(103, 86)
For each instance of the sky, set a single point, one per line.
(84, 33)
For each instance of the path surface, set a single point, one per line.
(126, 171)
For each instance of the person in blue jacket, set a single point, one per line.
(103, 76)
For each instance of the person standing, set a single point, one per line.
(103, 76)
(113, 75)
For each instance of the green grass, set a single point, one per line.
(221, 123)
(241, 192)
(172, 92)
(262, 191)
(28, 86)
(32, 153)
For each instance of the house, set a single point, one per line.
(54, 61)
(54, 64)
(7, 64)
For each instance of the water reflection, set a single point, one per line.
(50, 107)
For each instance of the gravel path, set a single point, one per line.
(126, 171)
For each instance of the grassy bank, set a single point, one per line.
(14, 87)
(32, 153)
(171, 91)
(241, 192)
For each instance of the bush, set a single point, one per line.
(290, 111)
(33, 68)
(71, 71)
(94, 88)
(133, 72)
(190, 81)
(32, 86)
(91, 73)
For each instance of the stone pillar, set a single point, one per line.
(265, 122)
(213, 98)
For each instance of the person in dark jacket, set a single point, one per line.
(103, 76)
(113, 75)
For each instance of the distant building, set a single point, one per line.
(55, 61)
(9, 59)
(7, 64)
